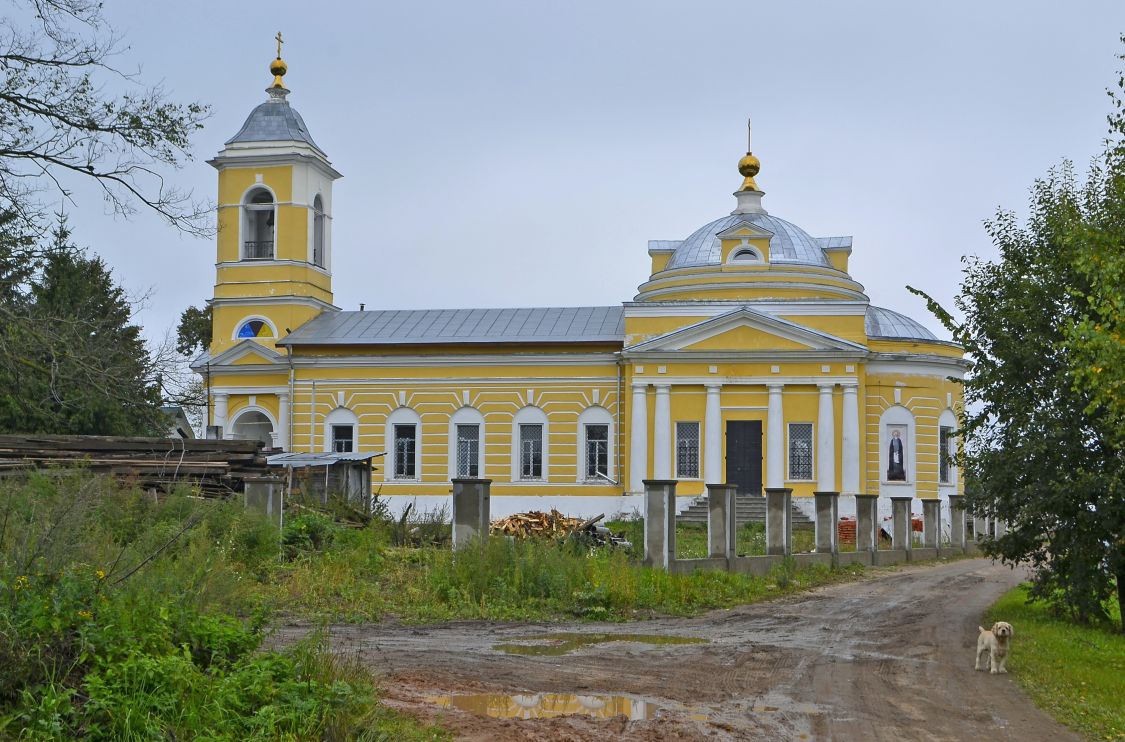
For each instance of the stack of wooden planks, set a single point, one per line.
(213, 468)
(534, 523)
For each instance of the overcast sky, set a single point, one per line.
(523, 153)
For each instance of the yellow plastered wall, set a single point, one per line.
(925, 397)
(373, 399)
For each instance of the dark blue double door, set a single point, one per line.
(744, 456)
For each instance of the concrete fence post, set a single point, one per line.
(827, 522)
(779, 521)
(722, 530)
(901, 535)
(931, 523)
(470, 510)
(866, 523)
(957, 522)
(660, 523)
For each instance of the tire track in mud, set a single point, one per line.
(885, 658)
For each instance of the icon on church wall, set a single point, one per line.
(896, 453)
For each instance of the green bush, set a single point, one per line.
(306, 533)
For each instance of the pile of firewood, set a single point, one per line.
(555, 525)
(211, 468)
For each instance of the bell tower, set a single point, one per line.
(274, 245)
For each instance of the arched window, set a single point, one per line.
(255, 327)
(466, 443)
(403, 444)
(341, 431)
(745, 254)
(258, 221)
(318, 231)
(595, 445)
(947, 450)
(530, 445)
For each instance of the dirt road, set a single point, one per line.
(887, 658)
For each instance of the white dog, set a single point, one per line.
(994, 642)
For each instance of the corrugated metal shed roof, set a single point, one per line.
(301, 460)
(457, 326)
(884, 323)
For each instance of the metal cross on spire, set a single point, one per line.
(279, 43)
(748, 147)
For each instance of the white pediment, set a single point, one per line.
(246, 351)
(746, 329)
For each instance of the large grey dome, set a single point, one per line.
(883, 323)
(273, 121)
(788, 243)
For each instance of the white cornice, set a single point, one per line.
(593, 359)
(704, 287)
(796, 308)
(754, 319)
(253, 301)
(260, 263)
(743, 356)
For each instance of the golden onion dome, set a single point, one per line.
(748, 167)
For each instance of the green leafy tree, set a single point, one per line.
(193, 334)
(82, 367)
(1042, 428)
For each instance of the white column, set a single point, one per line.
(775, 438)
(662, 433)
(220, 414)
(638, 439)
(826, 442)
(849, 466)
(283, 421)
(713, 437)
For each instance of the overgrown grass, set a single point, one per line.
(123, 618)
(1076, 673)
(361, 578)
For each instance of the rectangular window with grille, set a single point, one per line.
(406, 445)
(687, 450)
(945, 454)
(531, 451)
(800, 451)
(343, 438)
(468, 450)
(597, 452)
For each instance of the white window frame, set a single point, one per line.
(948, 419)
(402, 416)
(788, 450)
(698, 449)
(244, 209)
(594, 415)
(340, 416)
(320, 217)
(465, 416)
(238, 326)
(898, 415)
(530, 415)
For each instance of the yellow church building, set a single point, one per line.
(750, 356)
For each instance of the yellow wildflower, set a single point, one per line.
(101, 574)
(85, 614)
(22, 582)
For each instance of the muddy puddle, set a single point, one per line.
(549, 705)
(555, 645)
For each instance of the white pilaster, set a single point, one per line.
(849, 465)
(713, 437)
(662, 433)
(220, 413)
(775, 437)
(826, 442)
(283, 421)
(638, 432)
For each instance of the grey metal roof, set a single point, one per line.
(788, 243)
(883, 323)
(274, 121)
(300, 460)
(455, 326)
(832, 242)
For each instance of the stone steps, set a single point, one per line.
(748, 509)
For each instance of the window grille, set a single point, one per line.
(406, 441)
(945, 454)
(687, 450)
(531, 451)
(468, 450)
(597, 451)
(258, 226)
(800, 451)
(318, 232)
(343, 438)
